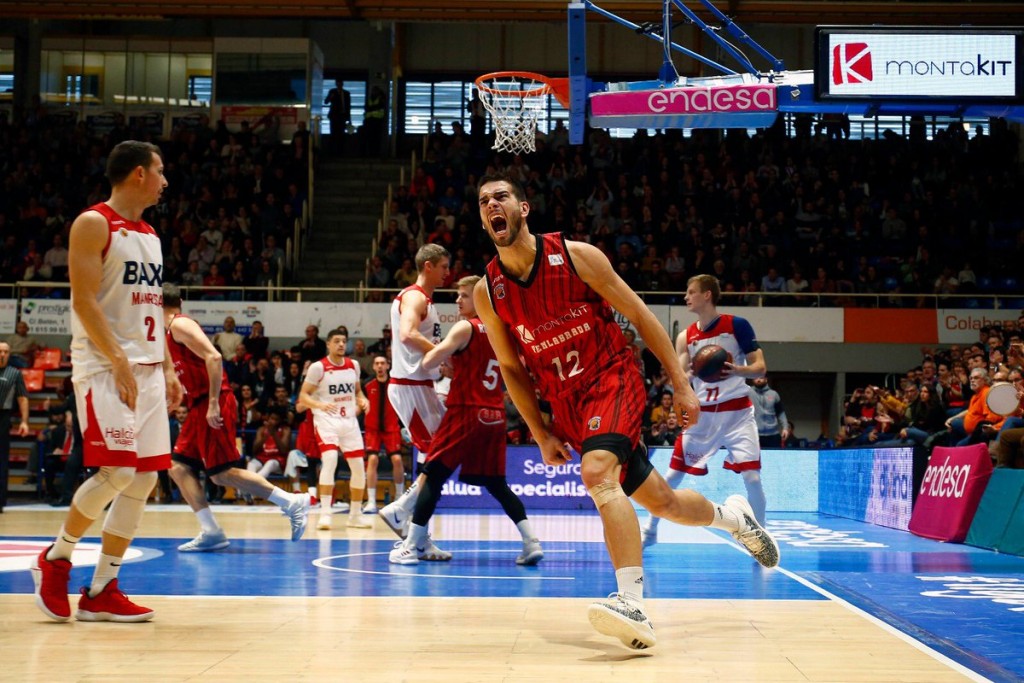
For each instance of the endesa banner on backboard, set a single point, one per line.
(724, 99)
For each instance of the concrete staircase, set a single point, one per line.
(349, 197)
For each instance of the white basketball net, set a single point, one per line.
(514, 103)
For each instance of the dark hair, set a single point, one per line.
(336, 332)
(172, 295)
(127, 156)
(502, 176)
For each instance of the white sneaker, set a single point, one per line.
(532, 553)
(397, 519)
(754, 537)
(341, 506)
(324, 524)
(431, 553)
(648, 537)
(359, 522)
(403, 553)
(622, 619)
(206, 542)
(370, 509)
(297, 513)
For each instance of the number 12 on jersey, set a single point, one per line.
(574, 358)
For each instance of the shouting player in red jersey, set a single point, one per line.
(471, 433)
(547, 305)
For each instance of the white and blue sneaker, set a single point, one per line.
(404, 552)
(621, 618)
(648, 537)
(532, 553)
(297, 512)
(206, 542)
(431, 553)
(397, 519)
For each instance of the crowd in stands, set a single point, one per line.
(818, 217)
(942, 401)
(231, 201)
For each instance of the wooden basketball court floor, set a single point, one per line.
(850, 602)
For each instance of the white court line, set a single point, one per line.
(321, 563)
(885, 626)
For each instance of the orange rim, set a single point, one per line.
(559, 87)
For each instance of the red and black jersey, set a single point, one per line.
(476, 378)
(563, 330)
(382, 416)
(191, 369)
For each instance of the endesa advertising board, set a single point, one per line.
(951, 491)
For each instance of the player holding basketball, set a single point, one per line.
(547, 306)
(415, 329)
(207, 439)
(383, 431)
(332, 391)
(124, 383)
(728, 415)
(471, 434)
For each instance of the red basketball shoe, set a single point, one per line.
(111, 605)
(51, 580)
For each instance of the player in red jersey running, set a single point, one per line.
(207, 439)
(728, 420)
(383, 432)
(547, 305)
(471, 434)
(124, 384)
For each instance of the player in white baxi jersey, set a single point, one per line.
(727, 415)
(331, 389)
(415, 329)
(124, 383)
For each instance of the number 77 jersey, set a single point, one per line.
(564, 331)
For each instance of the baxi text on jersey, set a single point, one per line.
(561, 338)
(122, 437)
(142, 273)
(343, 388)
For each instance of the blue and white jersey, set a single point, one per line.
(735, 335)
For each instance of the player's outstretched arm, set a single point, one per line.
(594, 269)
(457, 339)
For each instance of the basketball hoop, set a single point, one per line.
(515, 100)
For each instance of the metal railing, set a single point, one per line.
(278, 292)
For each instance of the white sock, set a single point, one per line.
(206, 521)
(525, 531)
(725, 519)
(106, 571)
(371, 496)
(631, 583)
(325, 504)
(399, 488)
(63, 546)
(417, 535)
(280, 498)
(296, 487)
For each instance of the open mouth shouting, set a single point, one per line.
(499, 226)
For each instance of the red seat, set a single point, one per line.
(48, 359)
(34, 379)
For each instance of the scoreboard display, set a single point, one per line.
(890, 63)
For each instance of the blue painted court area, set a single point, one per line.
(967, 603)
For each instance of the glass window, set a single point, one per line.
(357, 98)
(200, 88)
(6, 83)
